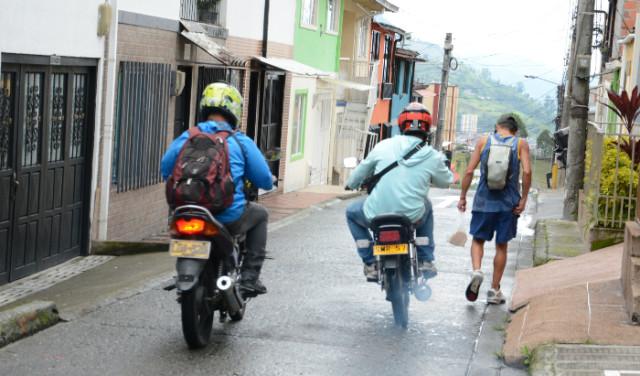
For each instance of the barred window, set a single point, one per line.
(141, 124)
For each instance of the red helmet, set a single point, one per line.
(415, 119)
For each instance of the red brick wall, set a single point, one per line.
(137, 214)
(631, 9)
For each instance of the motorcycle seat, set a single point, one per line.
(391, 219)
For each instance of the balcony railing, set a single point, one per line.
(189, 11)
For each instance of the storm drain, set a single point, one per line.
(47, 278)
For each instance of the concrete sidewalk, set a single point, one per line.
(570, 316)
(85, 284)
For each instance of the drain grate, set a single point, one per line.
(47, 278)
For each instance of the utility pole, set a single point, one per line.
(442, 103)
(579, 108)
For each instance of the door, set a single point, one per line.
(181, 121)
(321, 138)
(271, 124)
(44, 169)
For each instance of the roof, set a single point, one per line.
(407, 54)
(385, 24)
(425, 93)
(292, 66)
(197, 34)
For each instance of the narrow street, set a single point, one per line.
(320, 317)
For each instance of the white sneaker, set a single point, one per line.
(474, 286)
(495, 297)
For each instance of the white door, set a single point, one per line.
(320, 161)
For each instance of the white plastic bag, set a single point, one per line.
(458, 236)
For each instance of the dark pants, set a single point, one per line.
(253, 222)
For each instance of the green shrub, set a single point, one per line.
(608, 209)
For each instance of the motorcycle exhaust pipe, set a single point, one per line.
(232, 302)
(422, 292)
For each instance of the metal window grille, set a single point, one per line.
(32, 125)
(57, 109)
(7, 99)
(189, 10)
(142, 119)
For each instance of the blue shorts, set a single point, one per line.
(484, 224)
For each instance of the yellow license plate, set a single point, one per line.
(190, 249)
(391, 249)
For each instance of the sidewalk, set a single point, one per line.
(570, 316)
(67, 291)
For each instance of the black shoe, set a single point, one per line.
(252, 287)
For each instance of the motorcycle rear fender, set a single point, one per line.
(390, 262)
(188, 272)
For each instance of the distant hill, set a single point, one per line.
(485, 96)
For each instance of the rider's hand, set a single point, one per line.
(462, 205)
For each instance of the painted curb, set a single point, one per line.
(26, 320)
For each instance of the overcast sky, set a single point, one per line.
(528, 36)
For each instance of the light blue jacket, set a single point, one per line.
(255, 169)
(403, 189)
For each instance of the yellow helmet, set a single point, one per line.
(223, 99)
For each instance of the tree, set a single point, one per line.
(545, 141)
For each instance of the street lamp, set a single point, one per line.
(540, 78)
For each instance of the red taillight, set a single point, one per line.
(192, 227)
(389, 236)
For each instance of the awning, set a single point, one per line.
(348, 84)
(210, 46)
(292, 66)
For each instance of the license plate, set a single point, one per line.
(391, 249)
(190, 249)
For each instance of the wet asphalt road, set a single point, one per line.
(320, 317)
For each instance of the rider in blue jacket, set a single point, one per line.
(221, 107)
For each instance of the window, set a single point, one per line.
(362, 38)
(375, 46)
(386, 64)
(333, 15)
(309, 13)
(141, 128)
(299, 120)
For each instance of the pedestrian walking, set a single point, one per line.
(495, 211)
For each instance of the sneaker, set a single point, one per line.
(370, 272)
(474, 286)
(252, 287)
(428, 268)
(495, 297)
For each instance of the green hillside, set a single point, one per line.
(487, 97)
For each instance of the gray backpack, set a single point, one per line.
(497, 169)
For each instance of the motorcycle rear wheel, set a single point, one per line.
(197, 314)
(399, 297)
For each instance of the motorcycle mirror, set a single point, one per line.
(350, 162)
(273, 154)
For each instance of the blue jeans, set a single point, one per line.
(359, 227)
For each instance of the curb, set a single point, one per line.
(26, 320)
(127, 248)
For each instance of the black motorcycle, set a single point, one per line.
(397, 263)
(208, 267)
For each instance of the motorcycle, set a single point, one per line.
(209, 260)
(397, 264)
